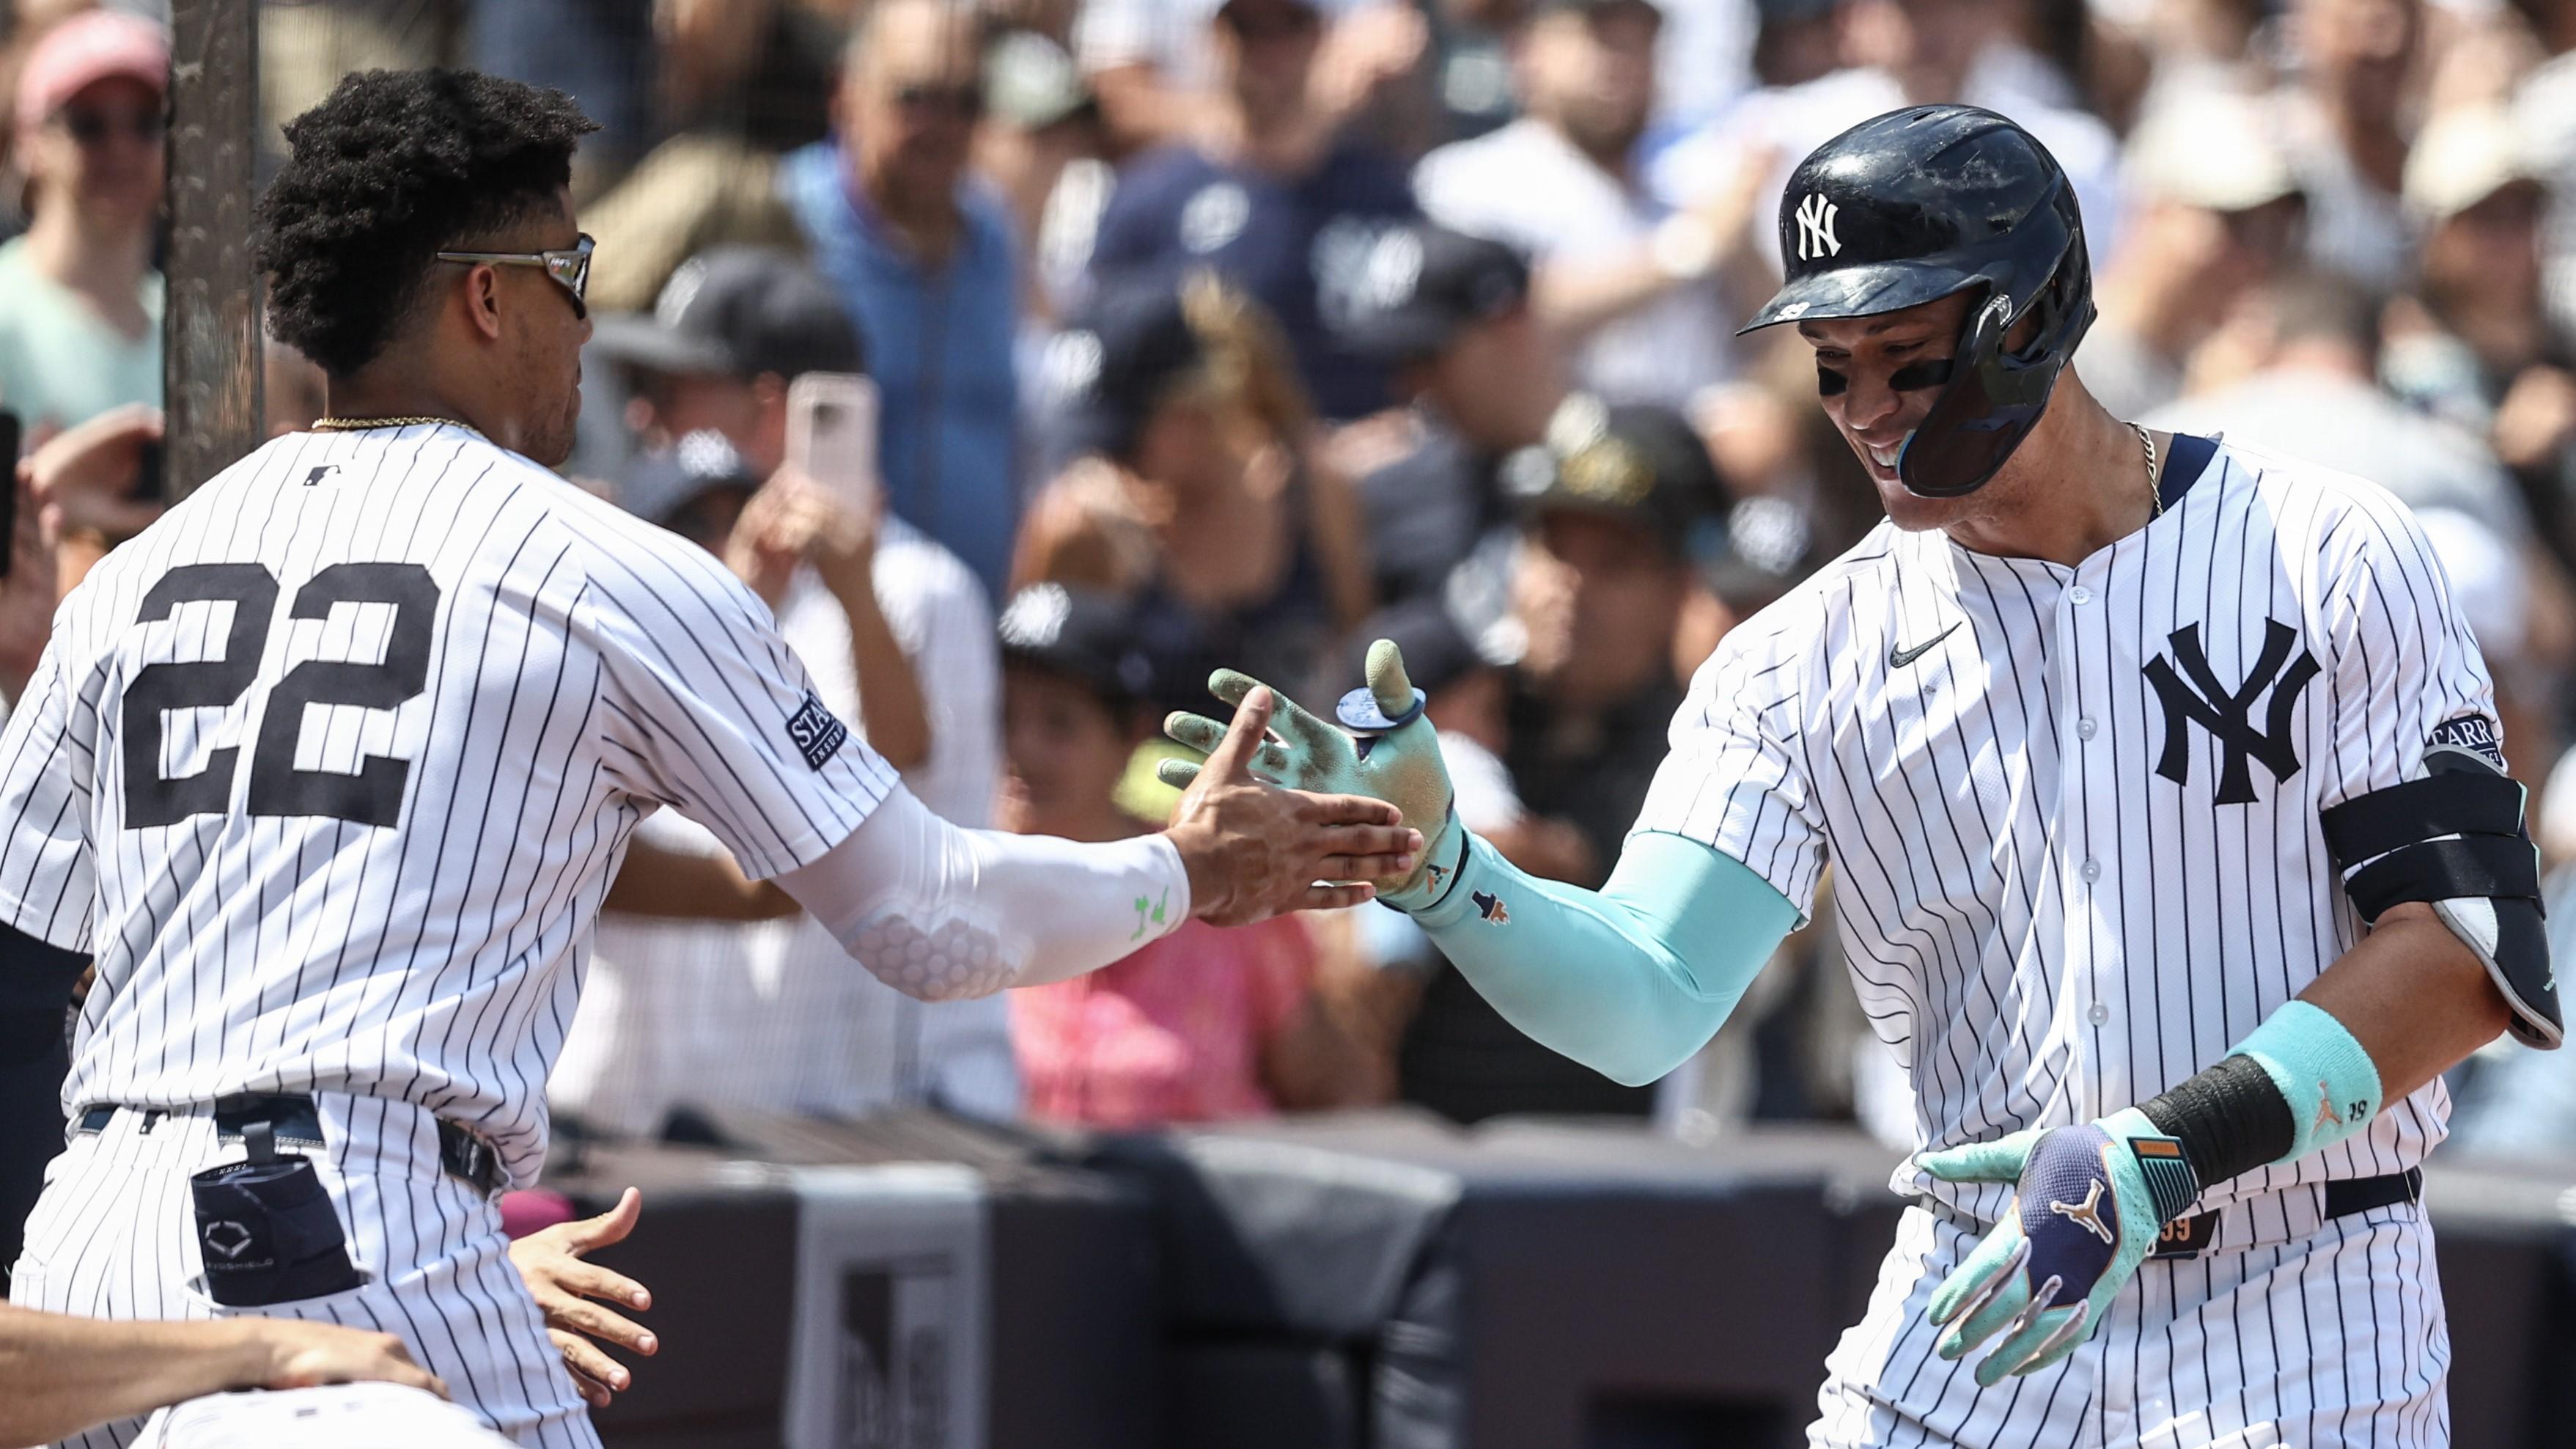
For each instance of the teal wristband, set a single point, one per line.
(1447, 850)
(2329, 1081)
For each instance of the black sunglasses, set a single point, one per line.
(1284, 23)
(569, 267)
(965, 102)
(90, 127)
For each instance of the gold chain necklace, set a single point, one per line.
(360, 425)
(2155, 494)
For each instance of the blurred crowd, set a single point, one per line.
(1248, 331)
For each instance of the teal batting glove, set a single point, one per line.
(2087, 1206)
(1384, 747)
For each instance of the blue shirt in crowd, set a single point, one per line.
(939, 346)
(1302, 245)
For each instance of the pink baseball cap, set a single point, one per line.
(93, 46)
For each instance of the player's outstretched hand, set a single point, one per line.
(1255, 850)
(1393, 756)
(571, 1292)
(2087, 1206)
(295, 1354)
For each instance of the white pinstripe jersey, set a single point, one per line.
(331, 767)
(2074, 860)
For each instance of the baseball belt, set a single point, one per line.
(293, 1119)
(2189, 1237)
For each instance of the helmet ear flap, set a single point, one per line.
(1957, 446)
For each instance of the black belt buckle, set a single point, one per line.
(291, 1117)
(266, 1228)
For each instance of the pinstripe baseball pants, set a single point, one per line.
(114, 1237)
(2292, 1330)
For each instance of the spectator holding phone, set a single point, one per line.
(80, 306)
(688, 1006)
(925, 265)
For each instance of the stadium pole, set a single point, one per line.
(210, 366)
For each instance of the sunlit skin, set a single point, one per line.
(113, 179)
(1591, 75)
(495, 347)
(1600, 597)
(1265, 52)
(2076, 484)
(906, 108)
(1066, 749)
(1496, 382)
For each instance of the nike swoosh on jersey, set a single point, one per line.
(1899, 658)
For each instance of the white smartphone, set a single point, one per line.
(832, 434)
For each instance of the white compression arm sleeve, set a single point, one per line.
(940, 912)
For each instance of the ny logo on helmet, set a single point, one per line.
(1816, 228)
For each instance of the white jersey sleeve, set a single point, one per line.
(705, 708)
(48, 884)
(2404, 672)
(1737, 777)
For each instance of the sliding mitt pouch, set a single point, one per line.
(268, 1231)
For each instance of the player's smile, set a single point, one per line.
(1875, 378)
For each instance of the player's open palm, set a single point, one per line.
(2087, 1206)
(573, 1295)
(1394, 756)
(1254, 850)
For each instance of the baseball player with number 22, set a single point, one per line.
(2175, 855)
(330, 769)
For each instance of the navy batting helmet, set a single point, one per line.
(1921, 204)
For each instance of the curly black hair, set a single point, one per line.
(393, 166)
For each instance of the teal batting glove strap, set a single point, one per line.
(1383, 747)
(2087, 1206)
(1629, 980)
(2323, 1072)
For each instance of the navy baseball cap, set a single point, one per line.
(737, 311)
(1636, 462)
(658, 485)
(1423, 285)
(1086, 635)
(1105, 373)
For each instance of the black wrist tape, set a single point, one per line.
(2230, 1119)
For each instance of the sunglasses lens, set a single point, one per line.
(572, 268)
(91, 127)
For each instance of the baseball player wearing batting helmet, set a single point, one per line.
(2176, 856)
(329, 770)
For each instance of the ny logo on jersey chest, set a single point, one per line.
(2194, 696)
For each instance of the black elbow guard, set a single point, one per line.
(2455, 840)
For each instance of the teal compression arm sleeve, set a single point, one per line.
(1629, 980)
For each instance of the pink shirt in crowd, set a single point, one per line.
(1173, 1033)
